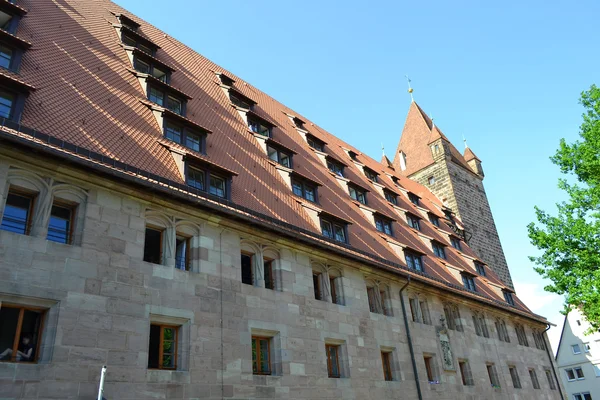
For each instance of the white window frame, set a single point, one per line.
(573, 346)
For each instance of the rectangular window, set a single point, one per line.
(550, 379)
(413, 222)
(434, 220)
(438, 250)
(141, 66)
(538, 338)
(217, 186)
(508, 297)
(279, 156)
(414, 310)
(391, 197)
(182, 253)
(469, 282)
(515, 377)
(153, 245)
(17, 213)
(333, 230)
(334, 295)
(162, 348)
(579, 373)
(358, 194)
(335, 167)
(6, 55)
(491, 370)
(570, 374)
(268, 271)
(259, 128)
(425, 312)
(455, 243)
(465, 373)
(383, 299)
(414, 198)
(383, 225)
(304, 189)
(175, 105)
(156, 96)
(261, 355)
(7, 101)
(521, 336)
(193, 141)
(333, 360)
(174, 133)
(386, 361)
(449, 318)
(195, 178)
(597, 369)
(161, 75)
(586, 347)
(372, 297)
(480, 268)
(247, 275)
(430, 368)
(60, 225)
(582, 396)
(315, 143)
(370, 174)
(534, 379)
(576, 349)
(20, 333)
(413, 260)
(317, 285)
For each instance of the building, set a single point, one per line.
(165, 218)
(578, 358)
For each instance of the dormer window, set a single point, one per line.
(151, 67)
(480, 267)
(455, 243)
(131, 39)
(469, 281)
(185, 136)
(225, 80)
(259, 127)
(7, 103)
(370, 174)
(414, 198)
(508, 297)
(240, 101)
(358, 194)
(383, 224)
(298, 122)
(279, 155)
(208, 178)
(304, 188)
(6, 56)
(353, 155)
(439, 249)
(334, 229)
(413, 260)
(169, 101)
(434, 219)
(315, 143)
(335, 167)
(413, 221)
(128, 22)
(391, 197)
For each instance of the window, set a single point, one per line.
(60, 227)
(514, 375)
(469, 282)
(455, 242)
(195, 178)
(261, 355)
(334, 230)
(153, 245)
(550, 379)
(247, 273)
(438, 250)
(538, 338)
(597, 369)
(268, 272)
(391, 197)
(570, 374)
(452, 316)
(384, 300)
(508, 297)
(370, 174)
(335, 167)
(182, 252)
(434, 220)
(162, 349)
(426, 318)
(430, 368)
(159, 74)
(146, 67)
(260, 128)
(465, 373)
(156, 96)
(480, 268)
(387, 365)
(352, 155)
(315, 143)
(579, 373)
(318, 285)
(184, 137)
(145, 47)
(521, 335)
(6, 55)
(586, 347)
(574, 374)
(279, 156)
(481, 328)
(304, 189)
(170, 102)
(534, 379)
(383, 225)
(358, 194)
(431, 180)
(334, 295)
(502, 332)
(372, 297)
(576, 349)
(413, 222)
(21, 333)
(7, 101)
(414, 310)
(413, 260)
(217, 186)
(241, 101)
(175, 105)
(582, 396)
(414, 198)
(17, 212)
(491, 370)
(333, 360)
(419, 311)
(7, 22)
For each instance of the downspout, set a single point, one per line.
(410, 345)
(552, 363)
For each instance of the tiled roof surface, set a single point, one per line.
(87, 95)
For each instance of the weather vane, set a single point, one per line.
(383, 149)
(410, 89)
(465, 140)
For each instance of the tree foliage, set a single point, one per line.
(570, 240)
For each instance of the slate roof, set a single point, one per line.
(86, 96)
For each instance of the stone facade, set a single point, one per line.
(101, 298)
(463, 192)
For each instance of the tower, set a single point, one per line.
(425, 155)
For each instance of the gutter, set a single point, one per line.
(552, 364)
(410, 344)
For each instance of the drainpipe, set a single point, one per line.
(552, 363)
(410, 345)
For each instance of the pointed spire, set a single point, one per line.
(469, 155)
(410, 89)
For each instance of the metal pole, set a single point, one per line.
(101, 387)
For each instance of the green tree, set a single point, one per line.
(570, 240)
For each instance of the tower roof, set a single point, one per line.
(469, 155)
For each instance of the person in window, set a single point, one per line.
(25, 351)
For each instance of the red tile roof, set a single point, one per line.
(87, 96)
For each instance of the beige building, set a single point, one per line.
(578, 358)
(165, 218)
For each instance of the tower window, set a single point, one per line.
(439, 249)
(413, 221)
(357, 194)
(335, 167)
(431, 180)
(383, 225)
(414, 199)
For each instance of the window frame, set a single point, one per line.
(508, 297)
(279, 151)
(318, 285)
(32, 197)
(187, 265)
(416, 200)
(258, 362)
(455, 242)
(72, 208)
(534, 379)
(132, 36)
(390, 196)
(333, 291)
(185, 133)
(413, 256)
(17, 339)
(516, 380)
(328, 348)
(371, 175)
(468, 281)
(333, 225)
(252, 258)
(465, 373)
(493, 375)
(165, 97)
(550, 379)
(383, 224)
(162, 327)
(413, 221)
(386, 362)
(305, 186)
(268, 272)
(359, 193)
(254, 125)
(480, 268)
(161, 247)
(315, 143)
(430, 368)
(335, 167)
(207, 174)
(573, 346)
(434, 219)
(152, 66)
(439, 250)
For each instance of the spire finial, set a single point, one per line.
(410, 89)
(432, 122)
(465, 140)
(382, 149)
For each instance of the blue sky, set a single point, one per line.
(505, 75)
